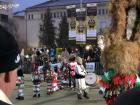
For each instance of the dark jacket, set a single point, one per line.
(3, 103)
(77, 76)
(130, 97)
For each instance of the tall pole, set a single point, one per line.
(26, 30)
(81, 3)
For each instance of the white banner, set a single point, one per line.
(72, 28)
(71, 10)
(91, 20)
(81, 26)
(90, 67)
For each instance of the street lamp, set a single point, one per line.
(88, 47)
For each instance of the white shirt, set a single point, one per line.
(4, 98)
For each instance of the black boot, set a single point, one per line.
(34, 95)
(86, 95)
(18, 97)
(79, 96)
(21, 98)
(38, 95)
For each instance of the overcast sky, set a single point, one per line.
(26, 3)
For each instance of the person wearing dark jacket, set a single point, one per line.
(130, 97)
(9, 62)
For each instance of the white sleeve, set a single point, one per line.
(80, 71)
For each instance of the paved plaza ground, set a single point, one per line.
(62, 97)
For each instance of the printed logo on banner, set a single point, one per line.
(91, 21)
(90, 67)
(81, 26)
(71, 11)
(72, 23)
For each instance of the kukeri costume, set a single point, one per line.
(36, 79)
(51, 80)
(20, 84)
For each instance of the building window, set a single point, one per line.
(103, 24)
(103, 11)
(51, 15)
(32, 16)
(41, 28)
(29, 17)
(99, 12)
(54, 15)
(61, 14)
(106, 11)
(64, 13)
(53, 21)
(57, 14)
(4, 18)
(42, 16)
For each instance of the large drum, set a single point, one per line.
(91, 79)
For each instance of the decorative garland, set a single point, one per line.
(114, 84)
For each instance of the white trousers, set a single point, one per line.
(81, 86)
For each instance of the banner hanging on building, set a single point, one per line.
(71, 11)
(91, 21)
(81, 26)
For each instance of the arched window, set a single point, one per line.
(29, 17)
(54, 15)
(42, 16)
(32, 16)
(99, 11)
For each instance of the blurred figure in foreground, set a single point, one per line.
(9, 62)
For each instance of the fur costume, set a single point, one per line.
(121, 56)
(36, 79)
(51, 80)
(20, 87)
(20, 83)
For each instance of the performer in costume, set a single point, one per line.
(60, 78)
(36, 75)
(51, 80)
(121, 56)
(36, 79)
(61, 75)
(65, 73)
(72, 66)
(20, 84)
(80, 74)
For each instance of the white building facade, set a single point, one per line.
(34, 16)
(20, 24)
(5, 11)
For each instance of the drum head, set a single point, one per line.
(90, 79)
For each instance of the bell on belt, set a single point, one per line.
(107, 94)
(110, 93)
(114, 92)
(126, 87)
(118, 92)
